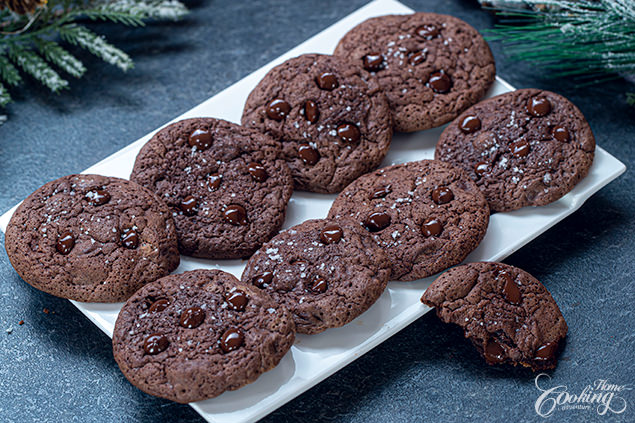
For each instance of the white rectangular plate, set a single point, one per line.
(314, 358)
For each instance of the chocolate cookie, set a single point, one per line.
(327, 272)
(508, 315)
(195, 335)
(523, 148)
(92, 238)
(331, 116)
(427, 215)
(227, 186)
(432, 67)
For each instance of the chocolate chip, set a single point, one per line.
(155, 343)
(538, 106)
(377, 221)
(311, 111)
(416, 57)
(331, 234)
(427, 31)
(494, 352)
(510, 289)
(442, 195)
(235, 214)
(263, 279)
(520, 148)
(236, 299)
(308, 154)
(349, 133)
(189, 205)
(192, 317)
(546, 352)
(213, 181)
(319, 285)
(231, 340)
(440, 82)
(481, 168)
(159, 305)
(200, 139)
(130, 238)
(431, 227)
(278, 109)
(258, 172)
(560, 133)
(470, 124)
(381, 192)
(65, 243)
(373, 62)
(97, 197)
(327, 81)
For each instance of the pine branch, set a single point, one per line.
(133, 13)
(35, 66)
(8, 72)
(81, 36)
(5, 98)
(630, 98)
(55, 54)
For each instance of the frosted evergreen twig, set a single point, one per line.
(57, 55)
(35, 66)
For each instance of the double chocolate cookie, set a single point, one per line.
(226, 185)
(195, 335)
(508, 315)
(427, 215)
(523, 148)
(326, 271)
(92, 238)
(432, 67)
(331, 116)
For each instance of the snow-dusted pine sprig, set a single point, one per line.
(30, 42)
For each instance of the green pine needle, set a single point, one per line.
(5, 98)
(55, 54)
(630, 98)
(8, 72)
(81, 36)
(581, 38)
(35, 66)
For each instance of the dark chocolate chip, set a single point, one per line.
(65, 243)
(192, 317)
(159, 305)
(155, 343)
(481, 168)
(201, 139)
(319, 285)
(494, 352)
(416, 57)
(349, 133)
(373, 62)
(236, 299)
(470, 124)
(377, 221)
(327, 81)
(442, 195)
(189, 205)
(235, 214)
(381, 192)
(546, 352)
(560, 133)
(263, 279)
(231, 340)
(97, 197)
(538, 106)
(278, 109)
(440, 82)
(427, 31)
(510, 289)
(308, 154)
(331, 234)
(311, 111)
(258, 172)
(431, 227)
(213, 181)
(520, 148)
(130, 239)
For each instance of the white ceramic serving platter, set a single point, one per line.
(313, 358)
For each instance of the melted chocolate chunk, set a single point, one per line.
(538, 106)
(349, 133)
(130, 239)
(381, 192)
(546, 352)
(319, 285)
(189, 205)
(231, 340)
(236, 299)
(427, 31)
(155, 343)
(440, 82)
(263, 279)
(159, 305)
(311, 111)
(213, 181)
(560, 133)
(416, 57)
(192, 317)
(308, 154)
(258, 172)
(470, 124)
(65, 243)
(201, 139)
(442, 195)
(510, 289)
(327, 81)
(278, 109)
(494, 352)
(235, 214)
(377, 221)
(373, 62)
(520, 148)
(97, 197)
(481, 168)
(431, 227)
(331, 234)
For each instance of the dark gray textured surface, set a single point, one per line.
(59, 367)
